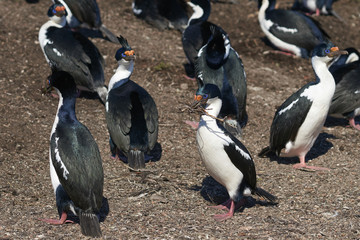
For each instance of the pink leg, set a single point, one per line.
(302, 164)
(284, 53)
(222, 217)
(193, 124)
(189, 78)
(353, 123)
(317, 12)
(224, 205)
(62, 220)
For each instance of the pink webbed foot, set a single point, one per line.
(222, 217)
(224, 205)
(303, 165)
(193, 124)
(60, 221)
(353, 124)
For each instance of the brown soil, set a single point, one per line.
(172, 201)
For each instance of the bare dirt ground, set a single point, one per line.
(172, 201)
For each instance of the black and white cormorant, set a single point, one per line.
(197, 32)
(299, 120)
(131, 113)
(75, 163)
(318, 7)
(290, 31)
(346, 99)
(218, 63)
(86, 13)
(73, 53)
(226, 159)
(163, 14)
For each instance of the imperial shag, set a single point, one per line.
(85, 13)
(162, 14)
(218, 63)
(290, 31)
(226, 159)
(299, 120)
(197, 32)
(346, 99)
(75, 164)
(131, 113)
(73, 53)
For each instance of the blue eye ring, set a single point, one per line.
(327, 51)
(123, 55)
(205, 96)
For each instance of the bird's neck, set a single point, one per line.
(122, 74)
(66, 107)
(213, 110)
(58, 21)
(200, 14)
(324, 79)
(266, 5)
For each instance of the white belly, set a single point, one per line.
(216, 160)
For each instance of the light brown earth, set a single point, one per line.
(172, 202)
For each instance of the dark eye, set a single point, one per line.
(205, 96)
(327, 50)
(123, 55)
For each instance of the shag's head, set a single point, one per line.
(126, 52)
(63, 82)
(206, 94)
(327, 51)
(218, 47)
(56, 10)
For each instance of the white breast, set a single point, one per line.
(211, 141)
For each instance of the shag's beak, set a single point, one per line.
(199, 100)
(334, 52)
(60, 11)
(130, 55)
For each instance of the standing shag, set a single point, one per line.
(85, 13)
(197, 32)
(226, 159)
(73, 53)
(290, 31)
(218, 63)
(162, 14)
(299, 120)
(131, 113)
(346, 99)
(75, 163)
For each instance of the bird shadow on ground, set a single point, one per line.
(321, 147)
(215, 193)
(333, 122)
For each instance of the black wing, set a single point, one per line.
(151, 116)
(65, 53)
(241, 158)
(347, 94)
(288, 119)
(306, 34)
(236, 77)
(79, 153)
(86, 11)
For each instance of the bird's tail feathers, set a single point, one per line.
(108, 34)
(265, 152)
(262, 193)
(136, 159)
(89, 224)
